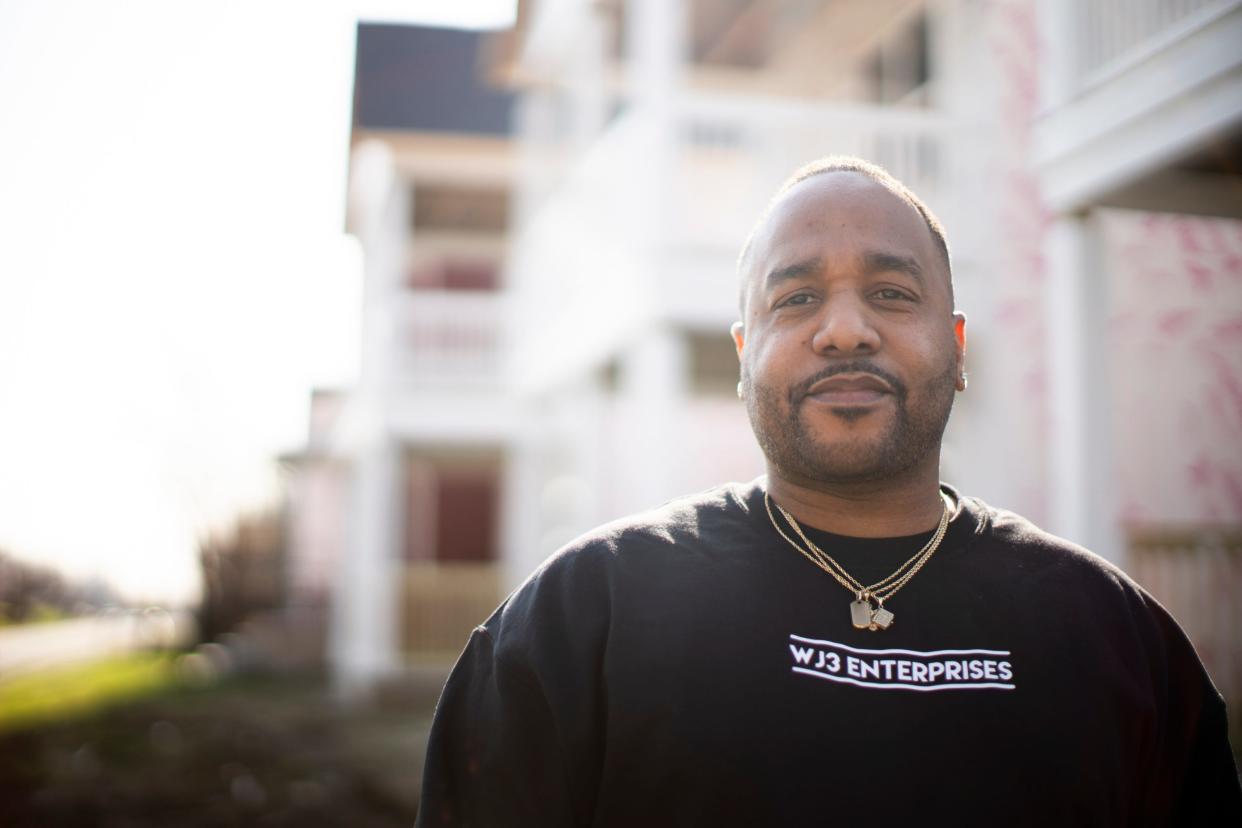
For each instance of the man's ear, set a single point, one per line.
(739, 337)
(959, 337)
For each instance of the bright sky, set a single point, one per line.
(174, 276)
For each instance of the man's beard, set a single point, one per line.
(778, 419)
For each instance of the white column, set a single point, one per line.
(363, 634)
(652, 364)
(1081, 483)
(522, 477)
(588, 76)
(1060, 35)
(656, 39)
(364, 617)
(652, 388)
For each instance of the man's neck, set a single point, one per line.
(884, 509)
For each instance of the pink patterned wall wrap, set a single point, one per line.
(1175, 333)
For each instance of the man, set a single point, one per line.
(846, 641)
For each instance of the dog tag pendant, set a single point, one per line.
(860, 614)
(881, 619)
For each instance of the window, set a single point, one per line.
(456, 274)
(457, 209)
(713, 363)
(901, 64)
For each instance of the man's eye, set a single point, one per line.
(798, 299)
(889, 294)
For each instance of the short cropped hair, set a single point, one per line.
(850, 163)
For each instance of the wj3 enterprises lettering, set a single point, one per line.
(897, 669)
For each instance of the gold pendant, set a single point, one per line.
(866, 617)
(860, 614)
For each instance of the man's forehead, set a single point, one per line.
(837, 203)
(835, 206)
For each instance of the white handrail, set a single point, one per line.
(448, 336)
(1106, 32)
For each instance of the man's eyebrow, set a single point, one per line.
(797, 270)
(877, 261)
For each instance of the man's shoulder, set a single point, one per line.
(1042, 553)
(678, 524)
(1070, 581)
(1008, 527)
(682, 519)
(581, 570)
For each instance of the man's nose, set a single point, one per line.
(845, 327)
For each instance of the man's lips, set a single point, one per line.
(850, 389)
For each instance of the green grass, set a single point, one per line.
(40, 614)
(66, 692)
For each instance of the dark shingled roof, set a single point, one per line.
(421, 78)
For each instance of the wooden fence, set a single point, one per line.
(442, 603)
(1196, 573)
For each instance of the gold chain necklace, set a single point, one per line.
(887, 586)
(863, 614)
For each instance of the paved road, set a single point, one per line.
(36, 646)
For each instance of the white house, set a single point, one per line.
(395, 505)
(1082, 155)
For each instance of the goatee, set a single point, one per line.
(855, 454)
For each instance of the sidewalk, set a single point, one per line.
(30, 647)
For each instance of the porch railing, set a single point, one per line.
(1109, 30)
(1196, 573)
(734, 150)
(445, 336)
(442, 603)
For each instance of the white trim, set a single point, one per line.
(1162, 106)
(927, 653)
(920, 688)
(1149, 47)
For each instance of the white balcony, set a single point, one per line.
(733, 151)
(1142, 84)
(648, 223)
(1111, 34)
(447, 338)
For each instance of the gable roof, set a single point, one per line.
(426, 79)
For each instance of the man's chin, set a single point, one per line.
(842, 461)
(843, 425)
(851, 414)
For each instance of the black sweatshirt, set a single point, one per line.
(688, 666)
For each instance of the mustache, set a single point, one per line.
(856, 366)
